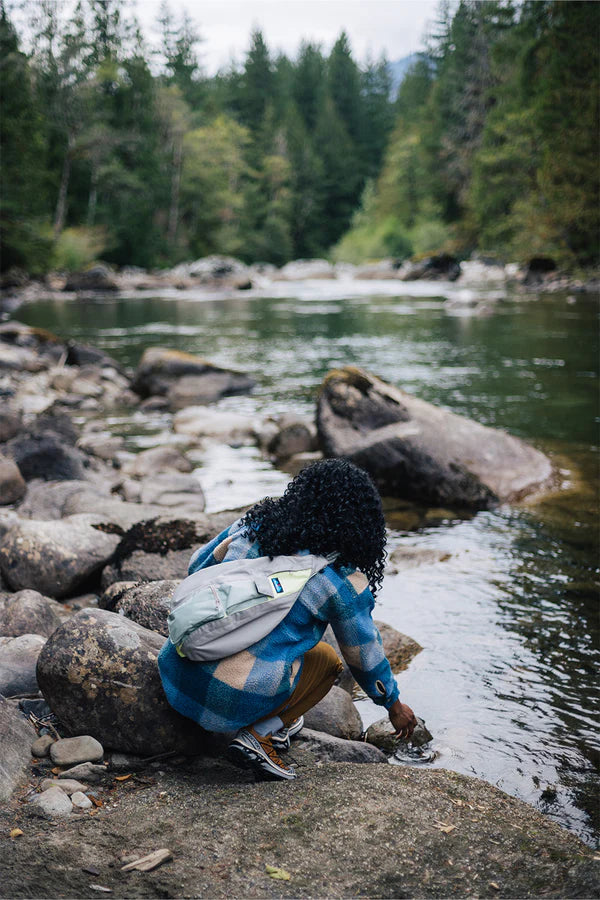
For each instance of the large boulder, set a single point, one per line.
(99, 675)
(418, 451)
(18, 659)
(157, 460)
(46, 456)
(217, 424)
(28, 612)
(16, 735)
(55, 557)
(161, 369)
(176, 489)
(442, 267)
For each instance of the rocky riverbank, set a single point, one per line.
(93, 541)
(226, 275)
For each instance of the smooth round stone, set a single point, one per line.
(70, 751)
(41, 745)
(53, 802)
(79, 800)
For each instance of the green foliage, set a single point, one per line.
(491, 142)
(76, 248)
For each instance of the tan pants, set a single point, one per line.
(320, 669)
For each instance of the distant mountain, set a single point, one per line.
(399, 69)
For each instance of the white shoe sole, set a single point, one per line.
(245, 752)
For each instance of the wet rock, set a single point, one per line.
(157, 460)
(99, 675)
(85, 355)
(12, 483)
(420, 452)
(173, 489)
(160, 369)
(96, 278)
(335, 714)
(18, 659)
(55, 558)
(79, 800)
(200, 422)
(71, 751)
(68, 785)
(381, 734)
(147, 604)
(28, 612)
(327, 748)
(207, 388)
(15, 739)
(158, 549)
(41, 745)
(52, 804)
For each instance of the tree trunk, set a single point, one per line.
(93, 197)
(175, 183)
(61, 203)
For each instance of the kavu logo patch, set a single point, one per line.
(277, 585)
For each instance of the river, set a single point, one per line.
(508, 618)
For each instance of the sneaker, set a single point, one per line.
(249, 749)
(282, 739)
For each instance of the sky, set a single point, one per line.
(395, 27)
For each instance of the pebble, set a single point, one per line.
(88, 771)
(69, 751)
(41, 745)
(52, 802)
(68, 785)
(79, 800)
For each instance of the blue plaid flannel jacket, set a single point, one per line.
(228, 694)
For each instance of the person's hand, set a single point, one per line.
(403, 719)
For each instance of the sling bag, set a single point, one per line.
(223, 609)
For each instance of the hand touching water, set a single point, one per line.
(403, 719)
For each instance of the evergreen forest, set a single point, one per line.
(118, 150)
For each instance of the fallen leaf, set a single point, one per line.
(122, 777)
(16, 832)
(91, 870)
(279, 874)
(56, 770)
(445, 827)
(494, 885)
(150, 861)
(96, 800)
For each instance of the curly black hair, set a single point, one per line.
(330, 506)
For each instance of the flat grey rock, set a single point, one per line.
(70, 751)
(52, 803)
(16, 735)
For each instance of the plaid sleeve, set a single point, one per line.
(203, 556)
(360, 643)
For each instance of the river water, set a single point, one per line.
(508, 617)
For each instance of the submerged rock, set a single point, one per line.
(418, 451)
(381, 734)
(100, 676)
(56, 557)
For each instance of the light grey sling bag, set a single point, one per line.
(223, 609)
